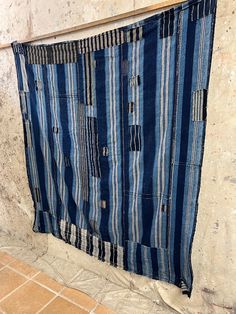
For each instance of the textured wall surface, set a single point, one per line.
(214, 253)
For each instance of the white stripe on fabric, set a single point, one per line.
(95, 247)
(158, 221)
(87, 78)
(92, 78)
(73, 113)
(63, 228)
(133, 154)
(115, 143)
(166, 108)
(120, 256)
(107, 246)
(137, 153)
(73, 234)
(113, 161)
(24, 74)
(57, 145)
(83, 240)
(198, 105)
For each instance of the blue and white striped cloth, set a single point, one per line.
(114, 129)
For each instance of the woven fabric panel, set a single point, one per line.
(114, 129)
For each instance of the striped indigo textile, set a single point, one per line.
(114, 129)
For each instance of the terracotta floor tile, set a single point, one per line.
(24, 268)
(28, 299)
(62, 306)
(101, 309)
(79, 298)
(5, 258)
(32, 297)
(48, 282)
(9, 280)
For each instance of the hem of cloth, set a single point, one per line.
(112, 254)
(68, 51)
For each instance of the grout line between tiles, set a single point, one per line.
(5, 265)
(24, 283)
(46, 287)
(58, 294)
(94, 308)
(99, 302)
(50, 301)
(22, 274)
(67, 299)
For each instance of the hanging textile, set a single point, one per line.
(114, 129)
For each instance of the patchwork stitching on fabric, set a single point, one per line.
(37, 194)
(67, 161)
(131, 107)
(103, 204)
(134, 80)
(105, 151)
(23, 101)
(93, 147)
(83, 157)
(89, 77)
(28, 133)
(135, 137)
(199, 112)
(38, 85)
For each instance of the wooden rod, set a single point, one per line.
(106, 20)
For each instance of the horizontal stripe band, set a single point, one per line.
(67, 52)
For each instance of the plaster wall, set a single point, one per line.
(214, 253)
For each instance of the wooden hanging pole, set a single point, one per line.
(147, 9)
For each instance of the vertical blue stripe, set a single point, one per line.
(125, 154)
(68, 134)
(103, 142)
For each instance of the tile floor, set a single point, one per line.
(26, 290)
